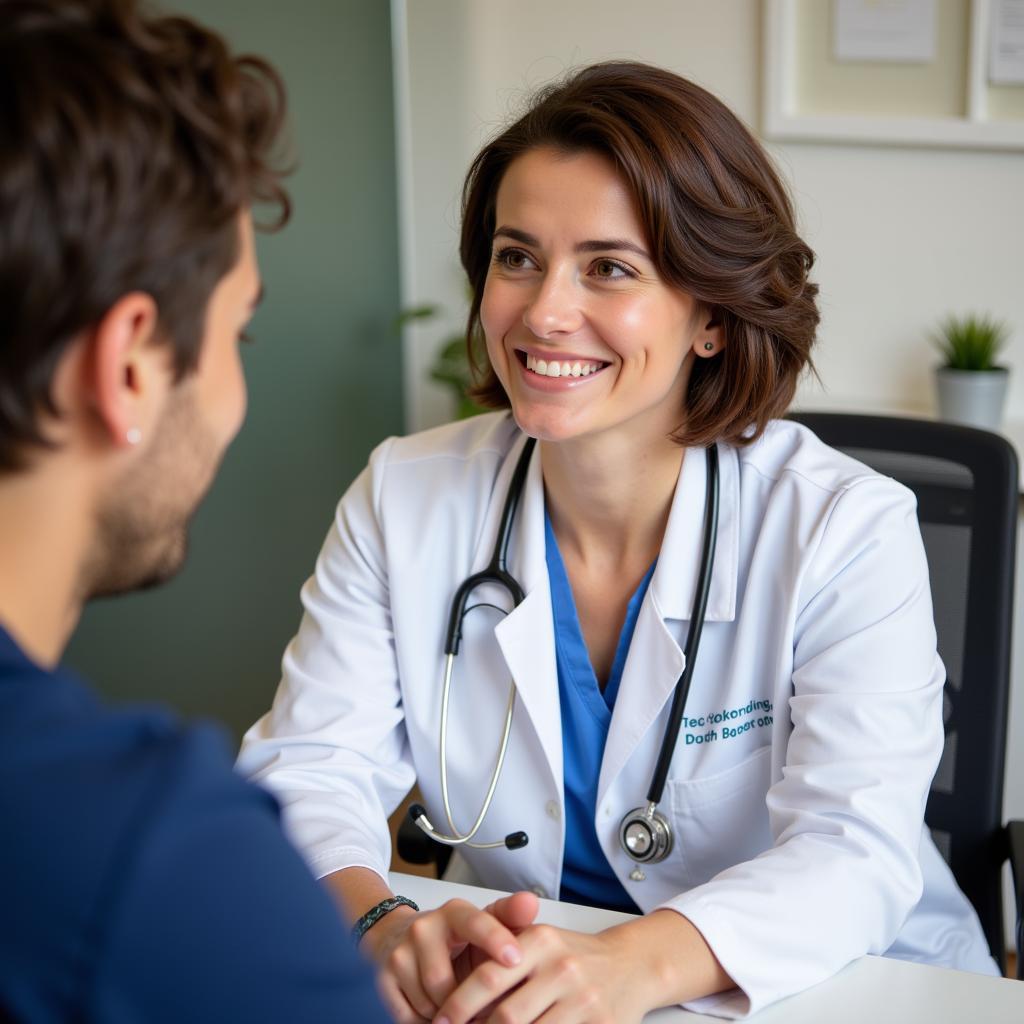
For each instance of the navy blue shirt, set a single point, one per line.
(142, 880)
(586, 712)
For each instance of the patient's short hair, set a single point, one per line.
(718, 220)
(129, 145)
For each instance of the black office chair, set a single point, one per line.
(966, 486)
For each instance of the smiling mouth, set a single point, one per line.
(560, 368)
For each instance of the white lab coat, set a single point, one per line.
(812, 731)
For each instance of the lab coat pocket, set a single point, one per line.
(721, 820)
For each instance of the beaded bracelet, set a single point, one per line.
(374, 914)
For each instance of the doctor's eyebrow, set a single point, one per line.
(258, 297)
(593, 245)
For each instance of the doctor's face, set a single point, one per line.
(142, 525)
(581, 330)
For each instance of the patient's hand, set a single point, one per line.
(422, 957)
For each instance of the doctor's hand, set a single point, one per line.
(617, 975)
(422, 957)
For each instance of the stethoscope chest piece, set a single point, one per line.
(645, 835)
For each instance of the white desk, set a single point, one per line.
(871, 991)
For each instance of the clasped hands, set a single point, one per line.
(458, 964)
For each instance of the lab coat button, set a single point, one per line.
(538, 890)
(553, 811)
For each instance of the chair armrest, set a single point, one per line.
(1015, 836)
(414, 845)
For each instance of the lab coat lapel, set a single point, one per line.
(674, 585)
(655, 659)
(526, 635)
(652, 667)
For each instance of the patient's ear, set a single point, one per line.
(127, 374)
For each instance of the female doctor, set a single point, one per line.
(644, 303)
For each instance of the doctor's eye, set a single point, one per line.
(612, 270)
(246, 338)
(513, 259)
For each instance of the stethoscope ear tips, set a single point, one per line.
(418, 816)
(516, 840)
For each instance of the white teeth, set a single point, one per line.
(555, 369)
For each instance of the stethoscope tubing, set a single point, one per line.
(693, 633)
(495, 573)
(457, 838)
(497, 569)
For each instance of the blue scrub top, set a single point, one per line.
(587, 877)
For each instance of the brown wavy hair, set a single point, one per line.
(718, 220)
(129, 145)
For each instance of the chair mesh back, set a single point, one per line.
(945, 511)
(966, 486)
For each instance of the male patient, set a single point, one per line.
(140, 879)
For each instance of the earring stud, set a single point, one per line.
(133, 435)
(709, 346)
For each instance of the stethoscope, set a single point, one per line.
(644, 833)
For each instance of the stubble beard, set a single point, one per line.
(141, 536)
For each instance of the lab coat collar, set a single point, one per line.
(674, 584)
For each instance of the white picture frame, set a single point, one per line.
(783, 119)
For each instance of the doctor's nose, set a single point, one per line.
(553, 309)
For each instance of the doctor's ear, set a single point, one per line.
(709, 339)
(127, 375)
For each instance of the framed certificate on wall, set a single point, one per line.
(896, 72)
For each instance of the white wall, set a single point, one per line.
(903, 236)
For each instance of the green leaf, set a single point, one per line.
(424, 312)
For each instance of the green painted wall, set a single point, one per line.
(324, 379)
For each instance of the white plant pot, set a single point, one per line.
(972, 397)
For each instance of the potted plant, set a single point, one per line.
(971, 385)
(450, 366)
